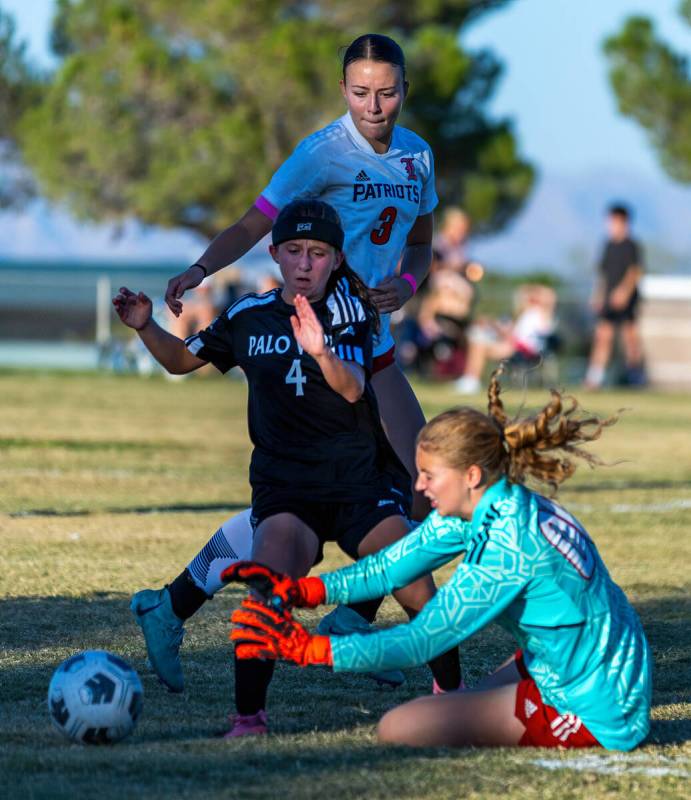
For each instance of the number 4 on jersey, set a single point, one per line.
(295, 376)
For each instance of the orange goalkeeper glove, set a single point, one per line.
(265, 633)
(278, 591)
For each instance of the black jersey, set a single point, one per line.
(305, 435)
(617, 259)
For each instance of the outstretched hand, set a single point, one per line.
(278, 591)
(133, 309)
(261, 632)
(177, 286)
(307, 329)
(391, 294)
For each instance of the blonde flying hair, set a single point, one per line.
(541, 447)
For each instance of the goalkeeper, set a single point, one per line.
(582, 675)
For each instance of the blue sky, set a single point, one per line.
(555, 85)
(554, 88)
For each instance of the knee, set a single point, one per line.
(604, 333)
(400, 726)
(390, 729)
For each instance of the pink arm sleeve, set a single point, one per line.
(266, 207)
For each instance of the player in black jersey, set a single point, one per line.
(322, 468)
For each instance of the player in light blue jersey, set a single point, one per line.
(582, 676)
(380, 179)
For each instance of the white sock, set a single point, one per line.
(595, 375)
(467, 384)
(232, 542)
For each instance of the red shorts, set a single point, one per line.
(384, 360)
(544, 725)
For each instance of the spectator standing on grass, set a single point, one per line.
(615, 300)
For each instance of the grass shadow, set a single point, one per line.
(157, 509)
(38, 632)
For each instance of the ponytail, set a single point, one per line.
(541, 447)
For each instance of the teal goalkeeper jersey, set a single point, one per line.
(531, 567)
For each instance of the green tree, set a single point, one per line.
(652, 84)
(19, 88)
(178, 113)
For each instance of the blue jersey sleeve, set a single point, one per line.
(304, 173)
(433, 543)
(476, 594)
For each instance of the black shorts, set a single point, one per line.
(618, 315)
(342, 522)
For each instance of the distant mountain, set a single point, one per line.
(561, 229)
(42, 231)
(562, 225)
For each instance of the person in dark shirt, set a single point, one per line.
(615, 301)
(322, 468)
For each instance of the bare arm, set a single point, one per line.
(394, 291)
(344, 377)
(135, 311)
(417, 255)
(230, 245)
(597, 298)
(621, 294)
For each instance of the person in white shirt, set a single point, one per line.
(526, 337)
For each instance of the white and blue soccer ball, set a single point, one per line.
(95, 697)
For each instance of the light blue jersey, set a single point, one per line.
(377, 196)
(532, 568)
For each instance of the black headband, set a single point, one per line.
(321, 230)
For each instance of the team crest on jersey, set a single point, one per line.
(409, 164)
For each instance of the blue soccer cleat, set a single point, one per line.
(163, 632)
(342, 621)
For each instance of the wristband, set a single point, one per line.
(318, 651)
(312, 591)
(202, 267)
(411, 280)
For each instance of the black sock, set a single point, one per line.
(367, 608)
(185, 596)
(252, 679)
(446, 669)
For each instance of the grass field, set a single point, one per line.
(109, 484)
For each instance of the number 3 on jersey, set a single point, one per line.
(382, 234)
(295, 376)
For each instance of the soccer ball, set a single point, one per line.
(95, 697)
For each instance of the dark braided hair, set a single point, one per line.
(374, 47)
